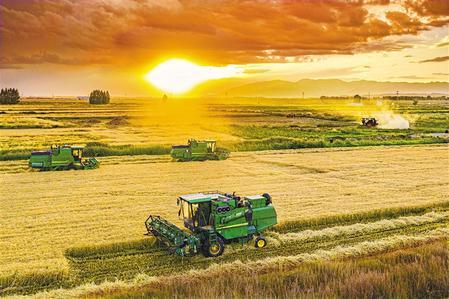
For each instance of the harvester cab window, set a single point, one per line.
(210, 147)
(197, 214)
(188, 212)
(76, 153)
(203, 214)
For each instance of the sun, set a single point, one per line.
(179, 76)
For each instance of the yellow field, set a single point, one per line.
(43, 213)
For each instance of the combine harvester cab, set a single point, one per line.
(61, 158)
(198, 150)
(214, 219)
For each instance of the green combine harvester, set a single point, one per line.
(213, 219)
(62, 158)
(198, 150)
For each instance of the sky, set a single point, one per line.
(68, 47)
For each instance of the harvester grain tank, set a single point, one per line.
(62, 158)
(198, 150)
(214, 219)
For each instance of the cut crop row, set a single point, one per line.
(362, 217)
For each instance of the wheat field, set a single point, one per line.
(110, 204)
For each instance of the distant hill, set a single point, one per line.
(324, 87)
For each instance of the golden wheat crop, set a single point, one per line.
(240, 269)
(44, 213)
(359, 228)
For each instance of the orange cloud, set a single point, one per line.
(429, 7)
(133, 32)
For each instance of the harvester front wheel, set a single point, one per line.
(260, 242)
(213, 249)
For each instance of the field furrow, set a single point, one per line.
(126, 260)
(161, 263)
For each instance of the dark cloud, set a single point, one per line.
(403, 23)
(134, 32)
(436, 59)
(429, 7)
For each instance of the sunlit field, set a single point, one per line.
(107, 206)
(151, 126)
(224, 149)
(334, 183)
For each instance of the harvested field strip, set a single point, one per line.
(111, 250)
(161, 263)
(249, 269)
(145, 246)
(361, 228)
(362, 217)
(34, 282)
(89, 265)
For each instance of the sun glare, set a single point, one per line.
(179, 75)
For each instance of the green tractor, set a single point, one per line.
(213, 219)
(198, 150)
(62, 158)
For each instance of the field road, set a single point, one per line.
(43, 213)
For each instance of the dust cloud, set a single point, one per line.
(382, 111)
(390, 120)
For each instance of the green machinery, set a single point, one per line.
(62, 158)
(213, 219)
(198, 150)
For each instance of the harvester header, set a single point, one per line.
(213, 219)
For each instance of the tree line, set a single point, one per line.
(9, 96)
(99, 97)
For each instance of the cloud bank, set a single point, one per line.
(132, 32)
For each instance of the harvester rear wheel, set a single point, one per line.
(260, 242)
(213, 249)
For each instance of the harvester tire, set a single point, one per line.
(260, 242)
(213, 249)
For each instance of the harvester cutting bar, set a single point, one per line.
(166, 232)
(91, 163)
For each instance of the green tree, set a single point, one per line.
(99, 97)
(9, 96)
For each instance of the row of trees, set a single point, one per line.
(9, 96)
(99, 97)
(356, 97)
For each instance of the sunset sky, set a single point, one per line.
(65, 47)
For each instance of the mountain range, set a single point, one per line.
(318, 87)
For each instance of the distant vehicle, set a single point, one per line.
(198, 150)
(369, 122)
(62, 158)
